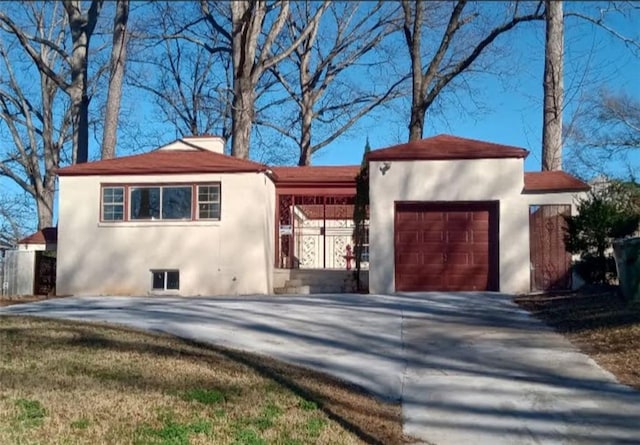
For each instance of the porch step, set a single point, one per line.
(314, 281)
(292, 290)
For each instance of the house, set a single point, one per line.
(446, 213)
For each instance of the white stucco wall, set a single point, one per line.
(232, 256)
(449, 181)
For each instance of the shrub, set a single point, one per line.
(603, 216)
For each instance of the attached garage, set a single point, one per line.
(453, 214)
(446, 246)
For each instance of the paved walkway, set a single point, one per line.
(468, 367)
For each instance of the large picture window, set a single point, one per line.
(160, 202)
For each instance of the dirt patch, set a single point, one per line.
(600, 322)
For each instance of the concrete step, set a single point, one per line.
(293, 283)
(292, 290)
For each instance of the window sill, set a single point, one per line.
(160, 223)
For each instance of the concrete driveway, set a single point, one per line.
(468, 367)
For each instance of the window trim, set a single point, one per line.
(127, 202)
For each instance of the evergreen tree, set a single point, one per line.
(360, 213)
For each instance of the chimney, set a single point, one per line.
(206, 142)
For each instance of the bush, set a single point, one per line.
(602, 217)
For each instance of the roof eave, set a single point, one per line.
(160, 172)
(443, 158)
(526, 191)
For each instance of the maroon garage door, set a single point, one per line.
(446, 246)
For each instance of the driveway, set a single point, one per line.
(468, 367)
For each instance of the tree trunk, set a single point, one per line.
(244, 41)
(553, 87)
(81, 25)
(116, 75)
(416, 126)
(44, 203)
(243, 109)
(306, 113)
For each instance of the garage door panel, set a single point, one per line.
(458, 236)
(458, 225)
(432, 217)
(407, 237)
(459, 259)
(418, 281)
(432, 236)
(408, 258)
(457, 216)
(453, 250)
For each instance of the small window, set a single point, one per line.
(209, 201)
(113, 204)
(165, 279)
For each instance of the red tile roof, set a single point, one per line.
(553, 181)
(444, 147)
(48, 235)
(165, 162)
(328, 173)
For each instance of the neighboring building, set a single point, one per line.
(446, 213)
(31, 268)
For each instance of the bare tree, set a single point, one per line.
(605, 131)
(316, 74)
(14, 220)
(253, 29)
(116, 76)
(187, 72)
(81, 26)
(553, 87)
(454, 51)
(33, 115)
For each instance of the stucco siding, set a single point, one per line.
(231, 256)
(449, 181)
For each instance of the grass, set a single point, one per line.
(75, 383)
(598, 321)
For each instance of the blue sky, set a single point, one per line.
(512, 105)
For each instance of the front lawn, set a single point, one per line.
(599, 322)
(73, 383)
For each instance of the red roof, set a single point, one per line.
(328, 173)
(443, 147)
(165, 161)
(48, 235)
(553, 181)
